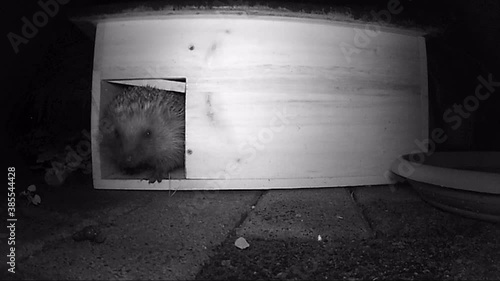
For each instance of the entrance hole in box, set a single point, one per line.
(110, 89)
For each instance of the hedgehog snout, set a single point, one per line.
(130, 161)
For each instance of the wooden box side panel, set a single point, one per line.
(273, 98)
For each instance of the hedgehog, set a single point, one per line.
(143, 129)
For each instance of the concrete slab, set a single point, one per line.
(414, 241)
(167, 237)
(68, 208)
(305, 214)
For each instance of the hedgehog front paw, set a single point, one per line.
(155, 176)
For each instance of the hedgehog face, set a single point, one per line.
(146, 130)
(136, 141)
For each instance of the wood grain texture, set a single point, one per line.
(278, 99)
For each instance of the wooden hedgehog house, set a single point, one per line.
(271, 101)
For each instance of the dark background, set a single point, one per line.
(47, 84)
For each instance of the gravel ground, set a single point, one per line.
(433, 246)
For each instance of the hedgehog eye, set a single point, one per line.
(147, 133)
(117, 133)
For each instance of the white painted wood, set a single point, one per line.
(158, 83)
(235, 184)
(94, 124)
(273, 99)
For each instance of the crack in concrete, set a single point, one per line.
(245, 215)
(361, 211)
